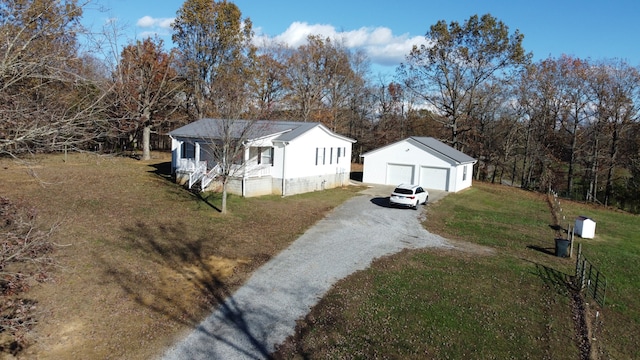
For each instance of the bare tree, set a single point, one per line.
(268, 85)
(616, 92)
(447, 72)
(47, 101)
(307, 76)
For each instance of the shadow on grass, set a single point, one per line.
(206, 198)
(162, 170)
(545, 250)
(554, 279)
(184, 286)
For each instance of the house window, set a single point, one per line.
(331, 156)
(339, 153)
(265, 156)
(188, 151)
(320, 156)
(464, 173)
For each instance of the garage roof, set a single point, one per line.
(442, 148)
(433, 145)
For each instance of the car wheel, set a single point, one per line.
(415, 206)
(426, 200)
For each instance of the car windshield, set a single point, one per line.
(403, 191)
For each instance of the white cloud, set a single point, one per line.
(150, 22)
(383, 47)
(152, 27)
(165, 23)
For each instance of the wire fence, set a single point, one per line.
(590, 279)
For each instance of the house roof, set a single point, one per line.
(248, 129)
(434, 145)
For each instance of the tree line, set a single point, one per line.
(564, 124)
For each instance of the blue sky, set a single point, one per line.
(387, 29)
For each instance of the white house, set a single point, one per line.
(278, 157)
(419, 160)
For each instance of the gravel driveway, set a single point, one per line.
(263, 312)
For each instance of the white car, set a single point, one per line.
(408, 195)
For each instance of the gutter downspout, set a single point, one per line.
(244, 170)
(284, 166)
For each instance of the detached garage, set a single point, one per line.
(419, 160)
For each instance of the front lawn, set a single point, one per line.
(502, 293)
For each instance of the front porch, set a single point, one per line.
(194, 165)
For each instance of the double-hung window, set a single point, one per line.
(265, 156)
(188, 150)
(320, 155)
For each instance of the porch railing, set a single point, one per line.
(188, 165)
(209, 177)
(250, 170)
(197, 173)
(258, 171)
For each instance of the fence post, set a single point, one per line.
(595, 287)
(570, 231)
(578, 258)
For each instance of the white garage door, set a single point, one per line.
(434, 178)
(399, 174)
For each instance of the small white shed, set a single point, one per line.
(585, 227)
(419, 160)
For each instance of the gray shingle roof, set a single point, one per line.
(248, 129)
(434, 145)
(442, 148)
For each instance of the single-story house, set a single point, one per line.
(277, 157)
(419, 160)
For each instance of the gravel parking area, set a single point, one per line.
(263, 312)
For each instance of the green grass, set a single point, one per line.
(512, 301)
(615, 251)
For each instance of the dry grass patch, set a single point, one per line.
(140, 259)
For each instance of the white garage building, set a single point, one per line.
(419, 160)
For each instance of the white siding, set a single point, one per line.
(430, 169)
(301, 155)
(400, 174)
(403, 152)
(295, 163)
(300, 171)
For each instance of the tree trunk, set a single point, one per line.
(593, 182)
(574, 144)
(613, 152)
(146, 142)
(523, 181)
(223, 208)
